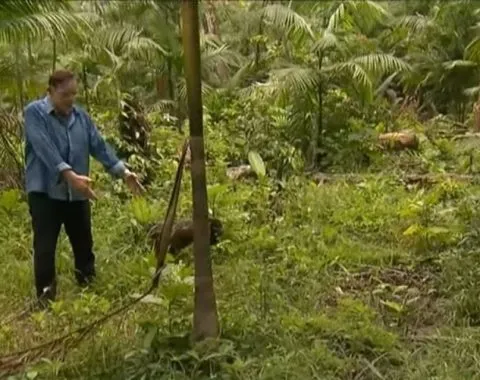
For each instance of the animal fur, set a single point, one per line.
(182, 234)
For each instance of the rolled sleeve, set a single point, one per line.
(63, 166)
(118, 170)
(103, 152)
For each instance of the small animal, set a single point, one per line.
(182, 234)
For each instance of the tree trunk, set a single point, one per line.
(85, 87)
(162, 86)
(171, 89)
(476, 115)
(31, 61)
(260, 32)
(18, 76)
(210, 22)
(210, 26)
(54, 59)
(318, 124)
(205, 317)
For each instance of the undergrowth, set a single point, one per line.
(368, 280)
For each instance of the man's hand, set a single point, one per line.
(80, 183)
(131, 179)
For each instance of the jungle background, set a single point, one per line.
(342, 158)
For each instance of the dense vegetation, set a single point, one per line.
(347, 260)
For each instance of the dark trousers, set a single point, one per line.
(48, 215)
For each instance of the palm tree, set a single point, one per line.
(205, 319)
(25, 26)
(445, 64)
(335, 53)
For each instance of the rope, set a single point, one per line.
(13, 362)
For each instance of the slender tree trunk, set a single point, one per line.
(29, 52)
(205, 318)
(54, 59)
(462, 112)
(258, 45)
(476, 115)
(85, 87)
(18, 76)
(210, 26)
(318, 124)
(171, 89)
(210, 22)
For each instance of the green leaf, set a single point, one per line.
(147, 341)
(459, 63)
(472, 51)
(32, 375)
(393, 306)
(257, 163)
(435, 230)
(412, 230)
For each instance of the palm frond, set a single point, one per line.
(458, 64)
(414, 23)
(286, 18)
(382, 63)
(472, 51)
(385, 84)
(238, 78)
(367, 13)
(472, 91)
(182, 90)
(211, 57)
(339, 16)
(355, 71)
(22, 19)
(327, 41)
(161, 106)
(294, 80)
(143, 48)
(114, 38)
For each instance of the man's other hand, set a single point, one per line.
(80, 183)
(131, 179)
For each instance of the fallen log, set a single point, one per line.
(468, 135)
(399, 140)
(240, 172)
(406, 179)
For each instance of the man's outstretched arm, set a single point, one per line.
(103, 152)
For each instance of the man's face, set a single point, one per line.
(63, 96)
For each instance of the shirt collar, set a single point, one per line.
(49, 105)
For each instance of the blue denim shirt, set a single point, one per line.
(54, 143)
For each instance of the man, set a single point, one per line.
(60, 137)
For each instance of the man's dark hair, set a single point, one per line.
(59, 77)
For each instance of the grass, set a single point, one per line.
(366, 281)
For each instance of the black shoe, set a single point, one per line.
(46, 297)
(84, 280)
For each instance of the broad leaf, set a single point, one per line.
(257, 163)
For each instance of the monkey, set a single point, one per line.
(182, 234)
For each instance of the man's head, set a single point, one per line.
(62, 88)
